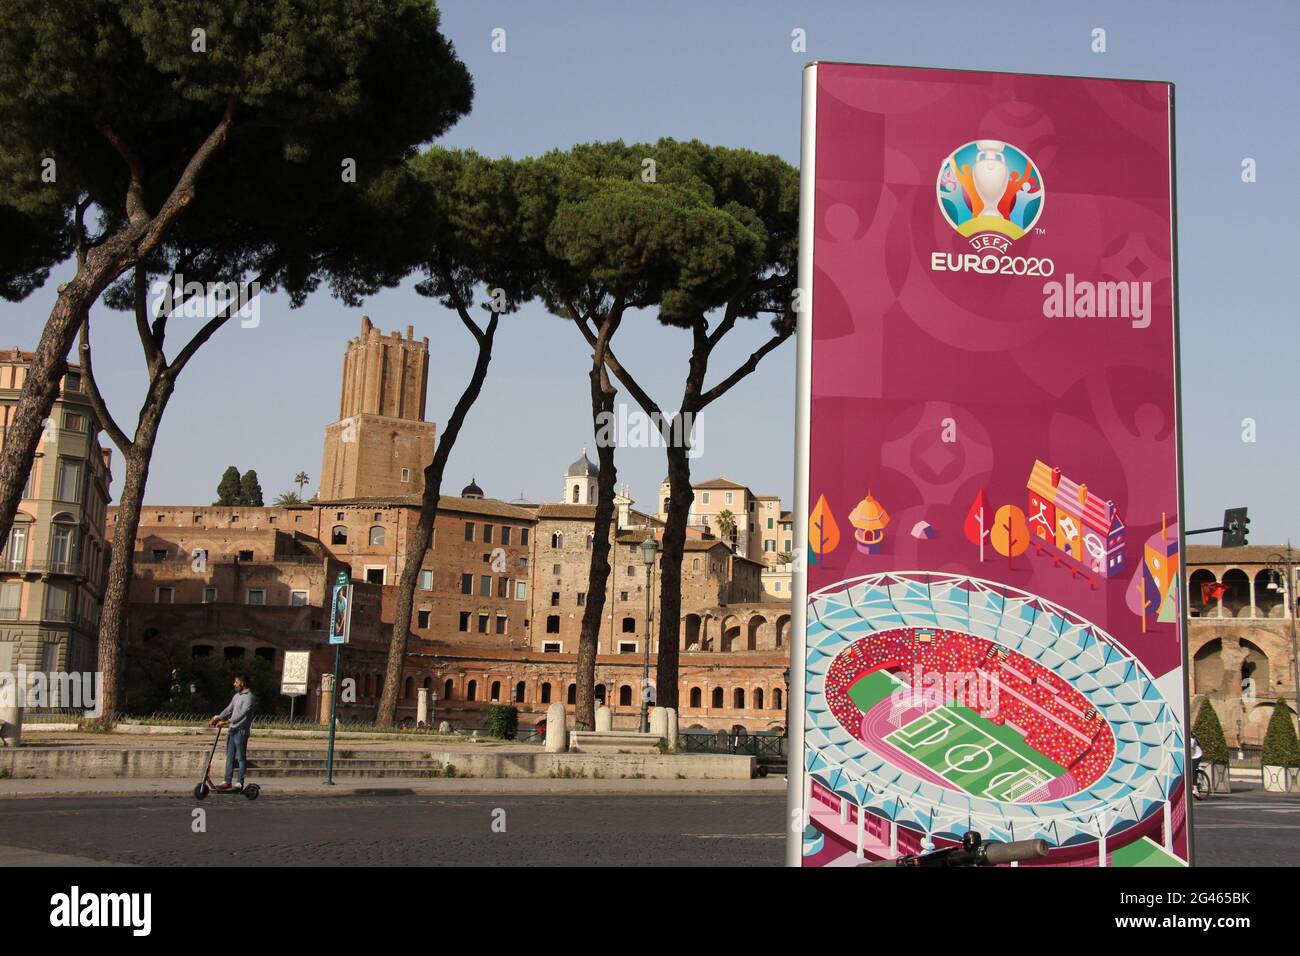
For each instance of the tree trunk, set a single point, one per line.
(99, 267)
(602, 404)
(419, 542)
(114, 617)
(670, 575)
(44, 375)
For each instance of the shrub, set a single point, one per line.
(1280, 745)
(1209, 732)
(502, 721)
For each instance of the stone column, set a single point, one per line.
(11, 711)
(670, 718)
(422, 707)
(659, 722)
(556, 732)
(604, 718)
(326, 698)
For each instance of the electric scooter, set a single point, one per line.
(252, 791)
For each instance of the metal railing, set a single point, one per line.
(722, 742)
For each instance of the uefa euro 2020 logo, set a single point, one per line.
(990, 192)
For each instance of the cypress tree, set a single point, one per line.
(250, 490)
(1209, 731)
(228, 491)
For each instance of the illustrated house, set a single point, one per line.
(1068, 518)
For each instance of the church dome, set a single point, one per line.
(472, 490)
(582, 468)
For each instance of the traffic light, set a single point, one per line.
(1236, 527)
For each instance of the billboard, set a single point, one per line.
(989, 612)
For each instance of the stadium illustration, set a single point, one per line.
(940, 703)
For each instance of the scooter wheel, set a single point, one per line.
(252, 791)
(200, 791)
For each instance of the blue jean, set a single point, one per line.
(236, 748)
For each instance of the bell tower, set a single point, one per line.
(381, 442)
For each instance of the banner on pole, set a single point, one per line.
(989, 619)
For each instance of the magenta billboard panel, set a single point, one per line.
(991, 635)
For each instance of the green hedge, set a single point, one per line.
(1280, 745)
(502, 721)
(1209, 732)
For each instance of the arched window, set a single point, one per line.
(776, 699)
(496, 691)
(448, 689)
(428, 683)
(625, 696)
(409, 690)
(573, 694)
(546, 693)
(591, 539)
(696, 696)
(576, 492)
(339, 535)
(557, 540)
(521, 692)
(738, 698)
(629, 625)
(758, 698)
(376, 536)
(599, 693)
(695, 564)
(717, 697)
(471, 690)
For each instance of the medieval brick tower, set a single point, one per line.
(381, 442)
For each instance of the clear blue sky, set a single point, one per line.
(581, 70)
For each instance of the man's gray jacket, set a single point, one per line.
(239, 711)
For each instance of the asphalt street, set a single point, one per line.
(1250, 829)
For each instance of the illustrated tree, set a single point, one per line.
(128, 111)
(629, 227)
(229, 490)
(1142, 596)
(741, 265)
(1010, 533)
(1209, 731)
(294, 129)
(978, 521)
(823, 532)
(250, 490)
(455, 219)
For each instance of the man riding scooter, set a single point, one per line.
(238, 716)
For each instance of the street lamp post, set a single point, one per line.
(1276, 561)
(648, 551)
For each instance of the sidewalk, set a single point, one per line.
(391, 786)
